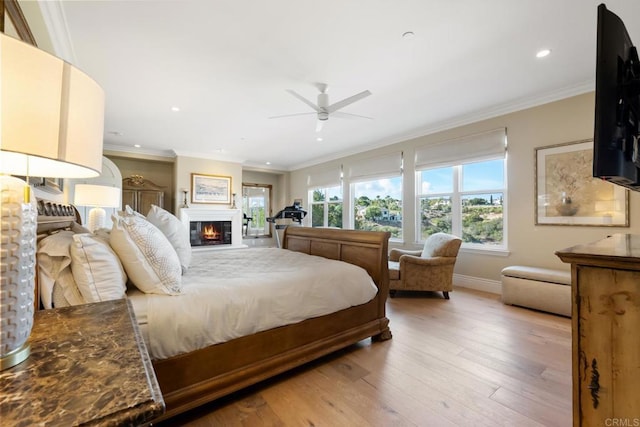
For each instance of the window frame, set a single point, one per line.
(325, 203)
(457, 195)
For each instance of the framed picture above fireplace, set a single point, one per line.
(210, 189)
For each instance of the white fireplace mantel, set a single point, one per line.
(234, 215)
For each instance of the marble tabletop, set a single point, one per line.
(88, 366)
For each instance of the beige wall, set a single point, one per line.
(185, 166)
(562, 121)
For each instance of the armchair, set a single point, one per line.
(430, 269)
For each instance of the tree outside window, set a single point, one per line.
(378, 205)
(326, 207)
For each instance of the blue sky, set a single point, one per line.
(476, 176)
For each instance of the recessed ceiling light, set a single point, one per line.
(137, 145)
(542, 53)
(319, 139)
(176, 109)
(267, 163)
(408, 35)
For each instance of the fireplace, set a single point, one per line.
(213, 228)
(207, 233)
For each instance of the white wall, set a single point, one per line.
(558, 122)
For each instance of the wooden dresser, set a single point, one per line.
(88, 365)
(606, 330)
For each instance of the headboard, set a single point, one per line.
(55, 216)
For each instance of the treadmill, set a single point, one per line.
(290, 215)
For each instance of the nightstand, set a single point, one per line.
(88, 365)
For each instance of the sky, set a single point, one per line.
(476, 177)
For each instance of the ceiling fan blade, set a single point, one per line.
(305, 100)
(344, 115)
(290, 115)
(350, 100)
(319, 124)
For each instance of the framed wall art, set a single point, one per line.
(210, 189)
(567, 193)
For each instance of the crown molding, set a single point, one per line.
(56, 23)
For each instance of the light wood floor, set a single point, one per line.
(469, 361)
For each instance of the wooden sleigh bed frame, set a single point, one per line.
(192, 379)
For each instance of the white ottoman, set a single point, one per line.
(540, 288)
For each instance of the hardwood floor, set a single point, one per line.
(468, 361)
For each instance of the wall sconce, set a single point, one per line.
(52, 124)
(98, 197)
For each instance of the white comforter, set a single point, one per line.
(231, 293)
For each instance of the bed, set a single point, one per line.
(190, 379)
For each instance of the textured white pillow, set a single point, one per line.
(174, 231)
(54, 270)
(96, 269)
(146, 255)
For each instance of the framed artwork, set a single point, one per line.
(567, 193)
(210, 189)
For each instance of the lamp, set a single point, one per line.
(98, 197)
(52, 122)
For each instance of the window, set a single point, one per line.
(326, 207)
(256, 207)
(466, 200)
(378, 205)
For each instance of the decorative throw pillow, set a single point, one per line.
(54, 270)
(96, 269)
(174, 231)
(146, 255)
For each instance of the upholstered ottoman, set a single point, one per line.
(540, 288)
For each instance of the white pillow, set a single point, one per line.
(96, 269)
(54, 268)
(174, 231)
(146, 255)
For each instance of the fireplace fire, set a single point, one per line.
(209, 232)
(203, 233)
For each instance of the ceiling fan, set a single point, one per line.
(323, 109)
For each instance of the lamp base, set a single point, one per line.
(18, 263)
(17, 356)
(96, 219)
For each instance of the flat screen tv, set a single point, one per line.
(616, 151)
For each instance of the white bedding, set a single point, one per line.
(227, 294)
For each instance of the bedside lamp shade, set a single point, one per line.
(98, 197)
(52, 123)
(52, 115)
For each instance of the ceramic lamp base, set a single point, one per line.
(96, 219)
(18, 263)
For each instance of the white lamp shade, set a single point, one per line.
(97, 196)
(52, 113)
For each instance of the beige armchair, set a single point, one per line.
(430, 269)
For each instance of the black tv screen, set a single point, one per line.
(616, 155)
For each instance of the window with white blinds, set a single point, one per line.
(489, 145)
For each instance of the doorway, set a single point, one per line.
(256, 207)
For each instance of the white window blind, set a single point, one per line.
(388, 164)
(472, 148)
(324, 178)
